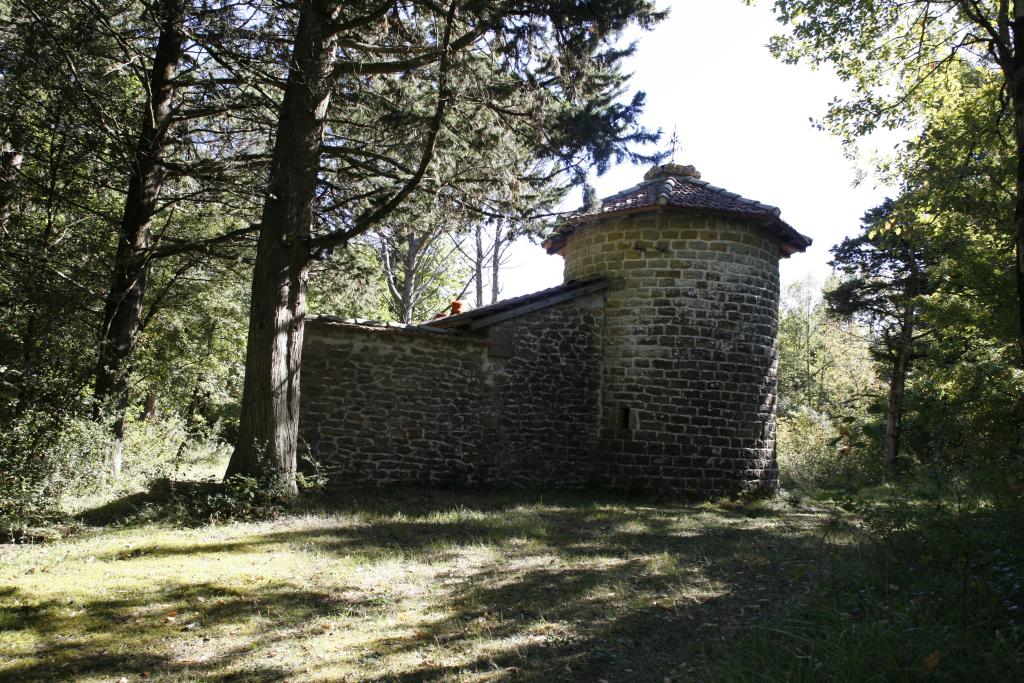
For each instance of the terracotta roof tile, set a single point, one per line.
(680, 187)
(509, 308)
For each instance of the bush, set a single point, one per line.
(817, 453)
(52, 465)
(43, 460)
(166, 449)
(241, 498)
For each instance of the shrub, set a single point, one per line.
(166, 449)
(242, 498)
(43, 460)
(52, 465)
(817, 452)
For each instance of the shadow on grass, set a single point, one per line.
(160, 502)
(576, 588)
(90, 637)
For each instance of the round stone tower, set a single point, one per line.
(690, 347)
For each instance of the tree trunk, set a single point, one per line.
(149, 407)
(10, 166)
(406, 307)
(496, 263)
(897, 385)
(1015, 86)
(478, 264)
(123, 311)
(268, 428)
(1018, 213)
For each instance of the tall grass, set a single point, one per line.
(931, 591)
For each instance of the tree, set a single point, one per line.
(827, 388)
(510, 210)
(135, 159)
(56, 202)
(548, 71)
(899, 56)
(268, 427)
(418, 255)
(422, 271)
(491, 240)
(886, 281)
(348, 283)
(963, 402)
(183, 159)
(123, 312)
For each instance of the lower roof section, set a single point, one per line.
(520, 305)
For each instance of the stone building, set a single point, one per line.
(652, 368)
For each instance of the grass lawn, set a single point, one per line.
(495, 587)
(479, 587)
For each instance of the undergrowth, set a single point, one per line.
(54, 467)
(907, 587)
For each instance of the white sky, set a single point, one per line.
(743, 119)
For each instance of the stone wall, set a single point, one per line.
(517, 403)
(546, 375)
(690, 352)
(666, 382)
(385, 405)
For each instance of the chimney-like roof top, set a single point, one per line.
(674, 186)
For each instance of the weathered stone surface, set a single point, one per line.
(666, 382)
(546, 395)
(385, 406)
(690, 352)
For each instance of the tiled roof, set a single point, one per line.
(520, 305)
(372, 325)
(680, 187)
(478, 317)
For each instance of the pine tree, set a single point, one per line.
(381, 82)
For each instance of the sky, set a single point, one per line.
(744, 120)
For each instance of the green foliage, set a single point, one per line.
(910, 585)
(51, 466)
(72, 108)
(896, 56)
(954, 217)
(312, 478)
(238, 498)
(348, 283)
(819, 452)
(59, 214)
(958, 175)
(43, 460)
(885, 274)
(823, 362)
(189, 357)
(827, 430)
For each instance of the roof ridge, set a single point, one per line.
(665, 192)
(677, 191)
(501, 309)
(629, 190)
